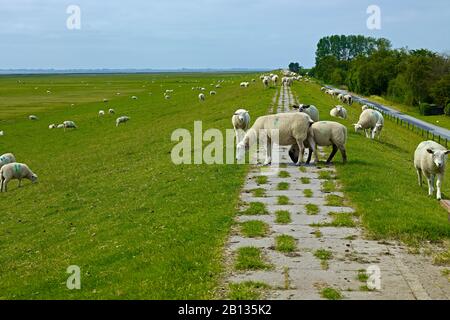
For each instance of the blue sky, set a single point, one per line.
(203, 33)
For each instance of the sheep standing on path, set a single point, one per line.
(291, 128)
(241, 123)
(371, 121)
(275, 80)
(7, 158)
(266, 82)
(122, 119)
(17, 171)
(430, 159)
(339, 112)
(309, 109)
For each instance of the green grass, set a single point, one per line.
(368, 178)
(283, 174)
(255, 208)
(317, 233)
(330, 294)
(254, 229)
(248, 290)
(258, 193)
(110, 199)
(308, 193)
(283, 186)
(328, 186)
(334, 201)
(305, 180)
(323, 255)
(285, 244)
(283, 200)
(283, 217)
(261, 180)
(446, 273)
(312, 209)
(362, 275)
(302, 169)
(340, 220)
(442, 259)
(325, 175)
(250, 258)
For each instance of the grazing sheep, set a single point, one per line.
(118, 93)
(244, 84)
(430, 160)
(212, 93)
(166, 96)
(60, 126)
(17, 171)
(348, 99)
(111, 111)
(364, 107)
(52, 126)
(310, 110)
(241, 123)
(101, 113)
(201, 97)
(323, 89)
(69, 125)
(48, 92)
(291, 127)
(218, 86)
(7, 158)
(134, 97)
(33, 117)
(2, 133)
(105, 100)
(324, 133)
(371, 121)
(122, 119)
(339, 112)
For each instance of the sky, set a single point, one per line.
(171, 34)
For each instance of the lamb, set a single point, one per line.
(101, 113)
(241, 123)
(347, 99)
(339, 112)
(122, 119)
(111, 111)
(69, 125)
(7, 158)
(430, 160)
(201, 97)
(291, 128)
(212, 93)
(33, 117)
(17, 171)
(310, 110)
(52, 126)
(371, 121)
(324, 133)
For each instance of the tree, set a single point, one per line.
(295, 67)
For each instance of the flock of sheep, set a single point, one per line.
(304, 130)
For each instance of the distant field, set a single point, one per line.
(380, 178)
(109, 199)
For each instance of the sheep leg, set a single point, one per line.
(419, 176)
(333, 153)
(310, 152)
(344, 154)
(438, 186)
(268, 152)
(430, 184)
(301, 152)
(367, 132)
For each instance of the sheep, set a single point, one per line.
(101, 113)
(244, 84)
(310, 110)
(347, 99)
(324, 133)
(122, 119)
(52, 126)
(218, 86)
(7, 158)
(291, 127)
(364, 107)
(105, 100)
(340, 97)
(265, 82)
(17, 171)
(166, 96)
(69, 125)
(201, 97)
(339, 112)
(2, 133)
(33, 117)
(371, 121)
(212, 93)
(60, 126)
(241, 123)
(134, 97)
(275, 79)
(430, 160)
(323, 89)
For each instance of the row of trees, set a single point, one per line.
(370, 66)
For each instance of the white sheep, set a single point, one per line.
(212, 93)
(134, 97)
(111, 111)
(33, 117)
(266, 82)
(290, 127)
(101, 113)
(430, 160)
(52, 126)
(2, 133)
(348, 99)
(339, 112)
(309, 109)
(324, 133)
(201, 97)
(244, 84)
(275, 79)
(166, 96)
(17, 171)
(105, 100)
(122, 119)
(7, 158)
(364, 107)
(371, 121)
(241, 123)
(218, 86)
(69, 125)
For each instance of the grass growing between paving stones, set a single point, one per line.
(283, 186)
(379, 178)
(305, 180)
(254, 229)
(308, 193)
(258, 193)
(248, 290)
(442, 259)
(285, 243)
(250, 258)
(284, 174)
(328, 186)
(334, 201)
(317, 233)
(312, 209)
(283, 200)
(326, 175)
(255, 208)
(323, 255)
(446, 273)
(302, 169)
(330, 294)
(283, 217)
(261, 180)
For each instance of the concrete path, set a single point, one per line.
(326, 255)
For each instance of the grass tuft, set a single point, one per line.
(283, 186)
(284, 174)
(254, 229)
(334, 201)
(248, 290)
(261, 180)
(258, 193)
(250, 258)
(330, 294)
(308, 193)
(255, 208)
(305, 180)
(283, 200)
(328, 186)
(312, 209)
(283, 217)
(285, 244)
(325, 175)
(323, 255)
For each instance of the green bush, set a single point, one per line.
(447, 109)
(427, 109)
